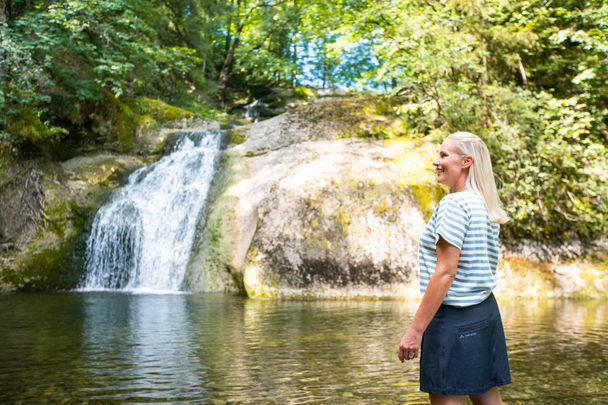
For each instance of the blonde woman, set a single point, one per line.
(457, 327)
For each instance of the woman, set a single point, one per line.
(458, 323)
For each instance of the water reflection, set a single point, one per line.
(558, 351)
(109, 347)
(140, 347)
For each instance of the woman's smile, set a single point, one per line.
(450, 167)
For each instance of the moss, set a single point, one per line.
(575, 279)
(257, 282)
(343, 220)
(27, 126)
(125, 124)
(354, 116)
(145, 120)
(427, 197)
(49, 269)
(519, 277)
(56, 218)
(6, 161)
(237, 135)
(210, 268)
(304, 93)
(360, 117)
(595, 281)
(113, 174)
(158, 110)
(373, 132)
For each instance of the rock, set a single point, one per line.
(22, 199)
(333, 216)
(303, 207)
(153, 140)
(301, 210)
(48, 252)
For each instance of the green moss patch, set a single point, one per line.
(237, 135)
(155, 109)
(210, 268)
(125, 124)
(49, 269)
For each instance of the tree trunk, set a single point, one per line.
(4, 11)
(228, 33)
(225, 72)
(231, 48)
(294, 55)
(522, 71)
(294, 64)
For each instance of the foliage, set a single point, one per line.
(60, 60)
(530, 77)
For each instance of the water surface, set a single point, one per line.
(116, 347)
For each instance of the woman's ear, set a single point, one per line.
(467, 161)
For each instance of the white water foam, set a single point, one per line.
(142, 239)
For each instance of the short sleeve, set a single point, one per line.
(452, 223)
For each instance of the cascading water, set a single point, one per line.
(141, 240)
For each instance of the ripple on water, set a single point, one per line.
(188, 348)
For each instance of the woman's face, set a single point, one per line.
(451, 168)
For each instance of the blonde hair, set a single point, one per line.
(481, 176)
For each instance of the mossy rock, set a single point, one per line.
(26, 126)
(51, 261)
(125, 123)
(211, 266)
(52, 268)
(157, 110)
(6, 161)
(237, 135)
(53, 255)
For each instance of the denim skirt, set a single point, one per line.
(464, 350)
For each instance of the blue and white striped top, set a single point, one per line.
(462, 220)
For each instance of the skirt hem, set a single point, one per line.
(466, 391)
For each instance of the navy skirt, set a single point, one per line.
(464, 350)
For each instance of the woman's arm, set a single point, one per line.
(439, 284)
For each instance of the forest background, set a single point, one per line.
(530, 77)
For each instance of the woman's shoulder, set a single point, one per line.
(469, 203)
(463, 199)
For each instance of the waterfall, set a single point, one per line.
(141, 240)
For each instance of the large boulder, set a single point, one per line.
(329, 200)
(302, 208)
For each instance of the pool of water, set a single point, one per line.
(109, 347)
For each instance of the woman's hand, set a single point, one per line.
(409, 346)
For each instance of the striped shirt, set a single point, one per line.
(462, 220)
